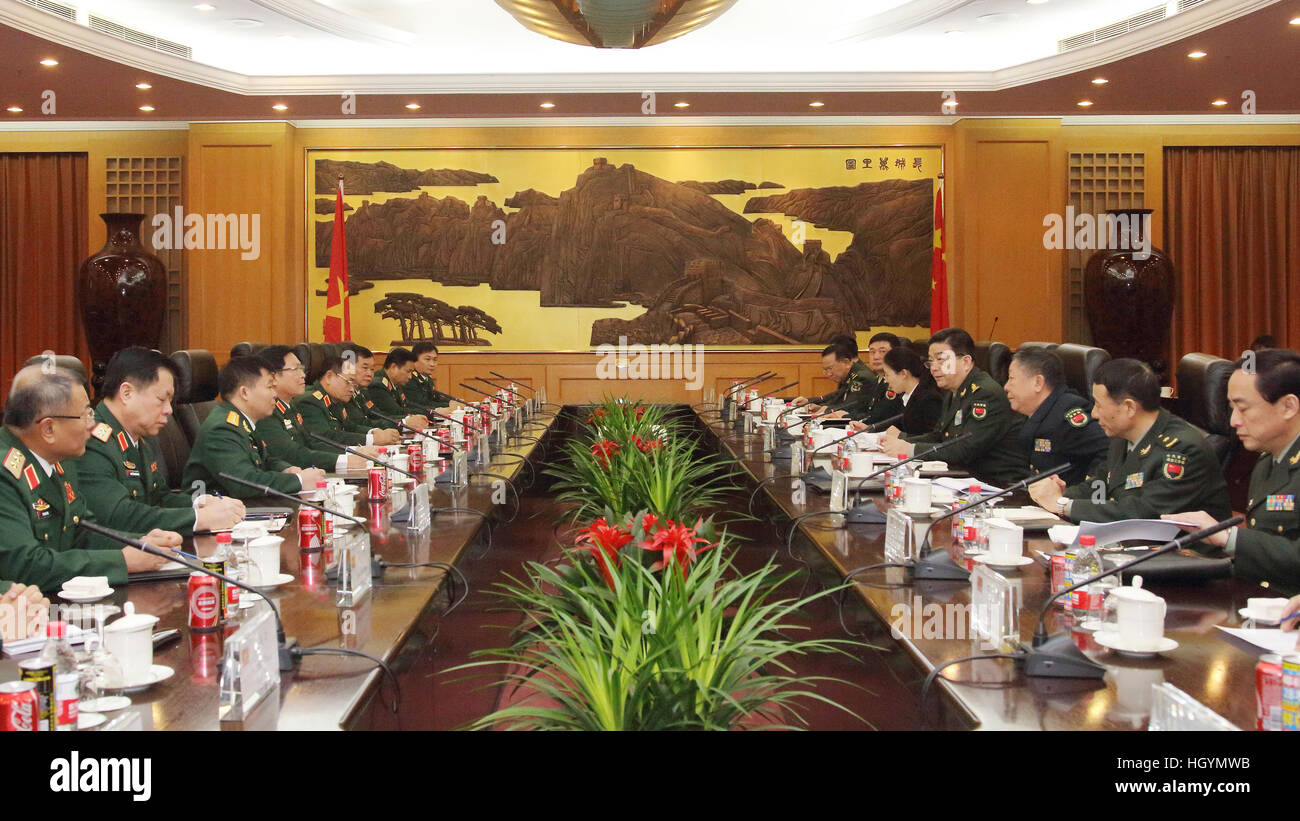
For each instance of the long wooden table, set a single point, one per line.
(994, 694)
(395, 622)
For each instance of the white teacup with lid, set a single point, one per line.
(1140, 616)
(130, 639)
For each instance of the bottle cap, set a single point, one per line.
(56, 629)
(223, 537)
(1087, 541)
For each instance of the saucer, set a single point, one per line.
(339, 521)
(86, 721)
(1246, 613)
(1111, 641)
(277, 581)
(1019, 561)
(157, 673)
(89, 597)
(104, 704)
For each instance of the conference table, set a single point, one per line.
(994, 694)
(395, 622)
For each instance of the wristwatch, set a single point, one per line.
(1061, 504)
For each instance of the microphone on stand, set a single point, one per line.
(356, 452)
(748, 382)
(270, 491)
(994, 328)
(403, 426)
(514, 382)
(287, 646)
(868, 514)
(886, 422)
(515, 394)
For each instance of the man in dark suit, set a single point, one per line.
(1060, 427)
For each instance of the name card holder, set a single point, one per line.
(250, 666)
(1172, 709)
(459, 468)
(483, 454)
(354, 564)
(839, 491)
(421, 515)
(903, 533)
(798, 458)
(769, 442)
(995, 609)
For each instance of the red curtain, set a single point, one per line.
(43, 238)
(1232, 227)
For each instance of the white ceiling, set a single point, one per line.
(318, 38)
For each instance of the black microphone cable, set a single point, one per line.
(342, 651)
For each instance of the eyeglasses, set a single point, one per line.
(294, 368)
(86, 416)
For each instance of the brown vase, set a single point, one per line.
(122, 293)
(1130, 299)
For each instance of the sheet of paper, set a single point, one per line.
(1146, 530)
(1026, 514)
(957, 483)
(1274, 641)
(76, 635)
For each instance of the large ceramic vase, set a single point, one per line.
(1129, 294)
(122, 293)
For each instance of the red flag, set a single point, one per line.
(938, 269)
(338, 328)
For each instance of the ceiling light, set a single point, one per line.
(280, 107)
(1099, 81)
(816, 104)
(682, 104)
(143, 86)
(1219, 102)
(547, 105)
(1035, 2)
(1295, 21)
(205, 7)
(1196, 55)
(49, 61)
(13, 109)
(413, 106)
(146, 108)
(1084, 103)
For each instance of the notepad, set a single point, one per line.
(1273, 641)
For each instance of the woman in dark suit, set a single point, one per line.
(908, 377)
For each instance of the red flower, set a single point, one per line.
(676, 543)
(640, 412)
(604, 450)
(647, 445)
(649, 522)
(598, 413)
(604, 542)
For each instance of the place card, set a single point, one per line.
(1172, 709)
(250, 665)
(839, 491)
(995, 608)
(354, 563)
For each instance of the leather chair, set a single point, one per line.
(921, 346)
(994, 358)
(312, 356)
(248, 348)
(173, 449)
(1203, 401)
(1081, 363)
(333, 348)
(1036, 346)
(196, 394)
(68, 363)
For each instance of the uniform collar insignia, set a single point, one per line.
(281, 407)
(1145, 450)
(121, 441)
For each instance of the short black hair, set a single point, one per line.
(358, 350)
(1044, 363)
(902, 358)
(885, 336)
(398, 357)
(1130, 379)
(140, 367)
(841, 349)
(848, 340)
(421, 348)
(332, 364)
(1277, 372)
(240, 372)
(274, 356)
(1263, 342)
(36, 399)
(957, 339)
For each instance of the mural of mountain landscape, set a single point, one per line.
(703, 272)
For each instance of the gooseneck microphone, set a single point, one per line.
(514, 382)
(356, 452)
(270, 491)
(287, 646)
(515, 394)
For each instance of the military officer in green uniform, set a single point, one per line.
(854, 381)
(359, 370)
(1060, 427)
(974, 405)
(883, 401)
(1156, 463)
(388, 391)
(1264, 393)
(228, 441)
(46, 422)
(326, 410)
(120, 477)
(421, 391)
(283, 430)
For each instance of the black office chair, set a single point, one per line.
(68, 363)
(1203, 401)
(994, 358)
(1036, 346)
(1081, 363)
(248, 348)
(196, 394)
(312, 356)
(173, 449)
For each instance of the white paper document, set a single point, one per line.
(1146, 530)
(959, 484)
(1274, 641)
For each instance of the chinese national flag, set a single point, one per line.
(938, 269)
(338, 324)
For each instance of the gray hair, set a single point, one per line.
(36, 394)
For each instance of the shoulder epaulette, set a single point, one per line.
(102, 431)
(232, 418)
(14, 462)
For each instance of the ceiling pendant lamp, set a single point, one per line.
(615, 23)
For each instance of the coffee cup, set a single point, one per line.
(916, 495)
(130, 640)
(264, 560)
(1266, 609)
(860, 463)
(1141, 617)
(401, 461)
(1006, 541)
(772, 413)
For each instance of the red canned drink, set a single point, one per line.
(376, 484)
(205, 602)
(1268, 692)
(309, 529)
(41, 675)
(444, 433)
(311, 564)
(1058, 575)
(415, 457)
(19, 705)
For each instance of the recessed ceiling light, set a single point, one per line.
(1196, 55)
(146, 108)
(547, 105)
(1084, 103)
(1099, 81)
(1035, 2)
(13, 109)
(413, 106)
(280, 107)
(682, 104)
(816, 104)
(49, 61)
(1295, 21)
(1219, 102)
(204, 7)
(143, 86)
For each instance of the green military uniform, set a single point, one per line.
(853, 396)
(990, 450)
(421, 393)
(389, 399)
(323, 415)
(882, 403)
(282, 432)
(41, 543)
(123, 485)
(1268, 547)
(1170, 469)
(227, 443)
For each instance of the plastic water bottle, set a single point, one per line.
(976, 539)
(960, 521)
(226, 550)
(901, 475)
(1088, 602)
(844, 452)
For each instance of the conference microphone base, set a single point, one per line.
(376, 569)
(939, 566)
(1058, 657)
(867, 514)
(288, 660)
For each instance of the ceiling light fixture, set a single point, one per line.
(1219, 102)
(1084, 103)
(682, 104)
(280, 107)
(146, 108)
(49, 62)
(816, 104)
(547, 105)
(13, 109)
(413, 106)
(143, 86)
(1099, 81)
(1196, 55)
